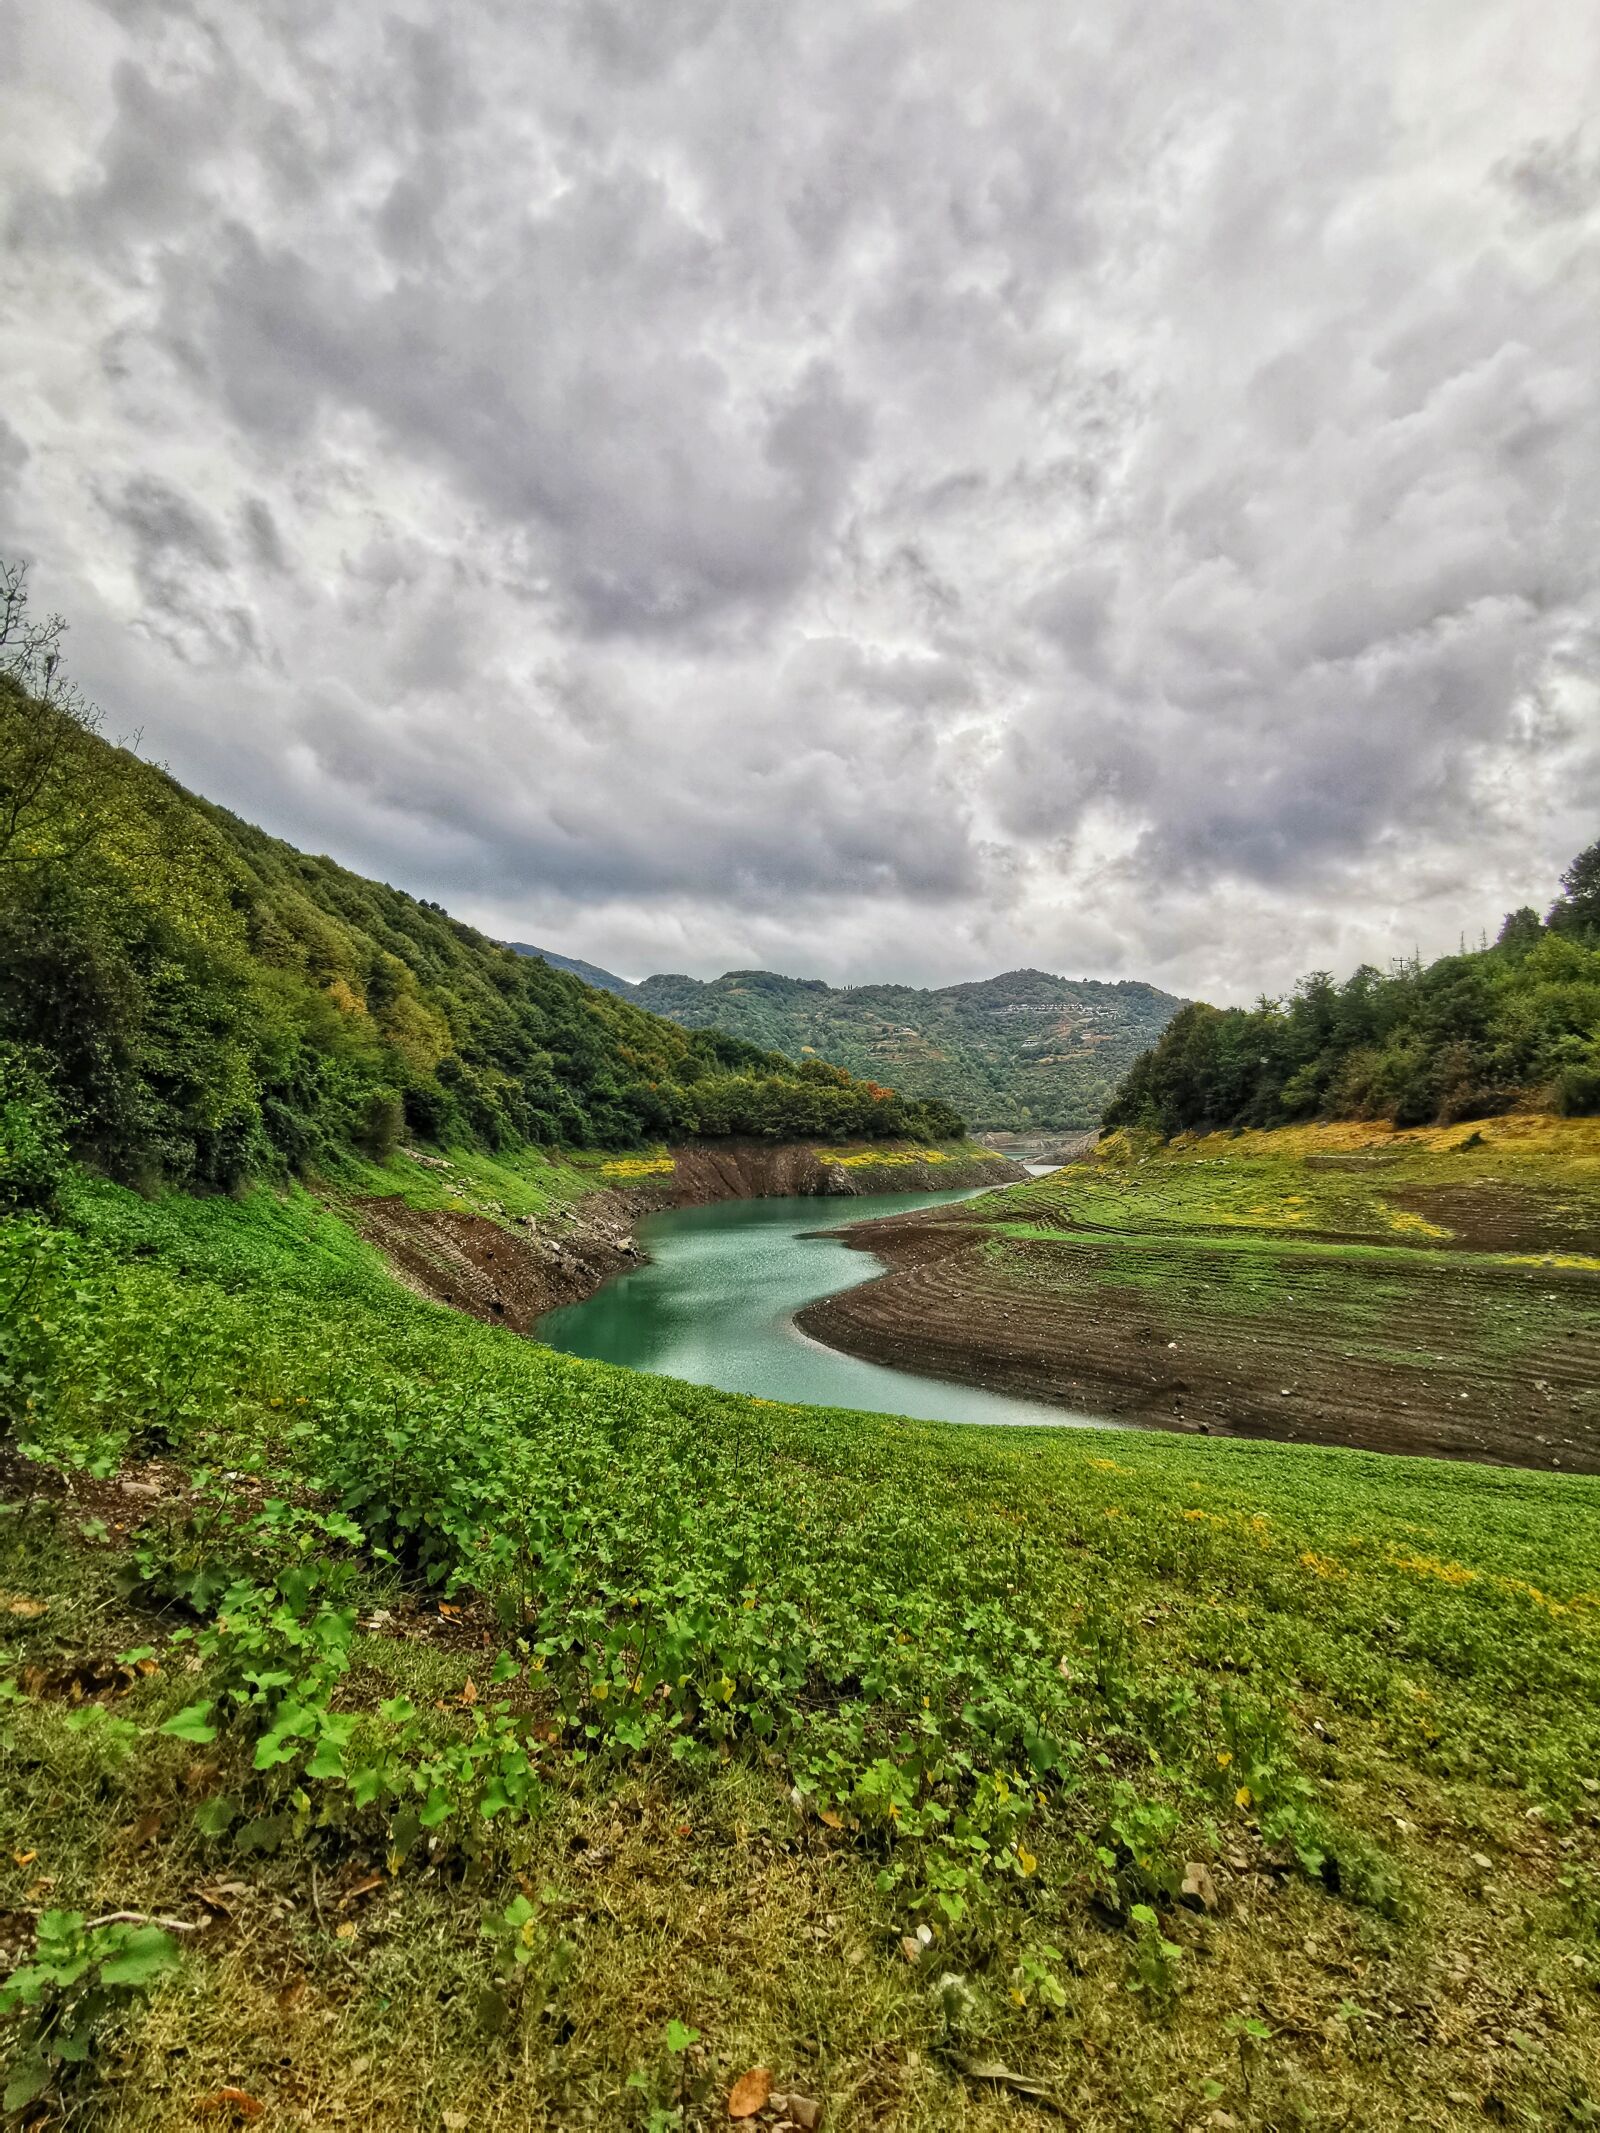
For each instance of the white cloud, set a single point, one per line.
(876, 492)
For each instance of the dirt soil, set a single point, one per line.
(756, 1170)
(1450, 1357)
(506, 1275)
(510, 1274)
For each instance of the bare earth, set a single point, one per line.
(1438, 1342)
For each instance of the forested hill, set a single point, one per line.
(207, 1003)
(1023, 1050)
(1515, 1026)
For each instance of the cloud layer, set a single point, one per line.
(873, 490)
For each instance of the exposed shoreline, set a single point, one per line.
(511, 1272)
(1154, 1360)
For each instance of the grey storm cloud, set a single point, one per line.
(876, 491)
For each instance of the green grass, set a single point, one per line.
(528, 1181)
(736, 1698)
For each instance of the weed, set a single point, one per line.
(80, 1976)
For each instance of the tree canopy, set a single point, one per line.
(209, 1003)
(1507, 1027)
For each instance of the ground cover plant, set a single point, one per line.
(496, 1737)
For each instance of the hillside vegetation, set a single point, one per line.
(1021, 1051)
(456, 1733)
(1515, 1026)
(208, 1004)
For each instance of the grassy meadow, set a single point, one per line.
(505, 1739)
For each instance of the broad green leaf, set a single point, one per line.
(193, 1724)
(142, 1958)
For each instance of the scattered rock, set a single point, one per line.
(1199, 1890)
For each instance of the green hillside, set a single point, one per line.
(524, 1743)
(1023, 1050)
(207, 1003)
(1511, 1027)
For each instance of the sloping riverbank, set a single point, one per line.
(471, 1243)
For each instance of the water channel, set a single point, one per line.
(716, 1305)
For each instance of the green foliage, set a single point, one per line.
(1156, 1962)
(81, 1975)
(1576, 910)
(33, 1135)
(1468, 1036)
(533, 1958)
(972, 1683)
(212, 1004)
(667, 1586)
(1023, 1050)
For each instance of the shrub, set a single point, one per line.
(1578, 1092)
(33, 1135)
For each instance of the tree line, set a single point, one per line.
(1512, 1026)
(185, 998)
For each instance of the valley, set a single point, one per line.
(753, 1702)
(1022, 1053)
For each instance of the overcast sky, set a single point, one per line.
(868, 490)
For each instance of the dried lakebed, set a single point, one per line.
(717, 1300)
(1432, 1292)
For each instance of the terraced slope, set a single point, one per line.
(1021, 1052)
(1436, 1291)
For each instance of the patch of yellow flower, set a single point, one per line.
(1323, 1565)
(1401, 1219)
(880, 1158)
(1579, 1604)
(1429, 1566)
(639, 1166)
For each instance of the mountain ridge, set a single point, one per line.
(1022, 1050)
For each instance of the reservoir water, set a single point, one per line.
(716, 1305)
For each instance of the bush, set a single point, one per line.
(33, 1135)
(1578, 1092)
(1466, 1037)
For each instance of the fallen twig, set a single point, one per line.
(140, 1918)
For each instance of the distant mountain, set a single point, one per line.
(1010, 1053)
(591, 973)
